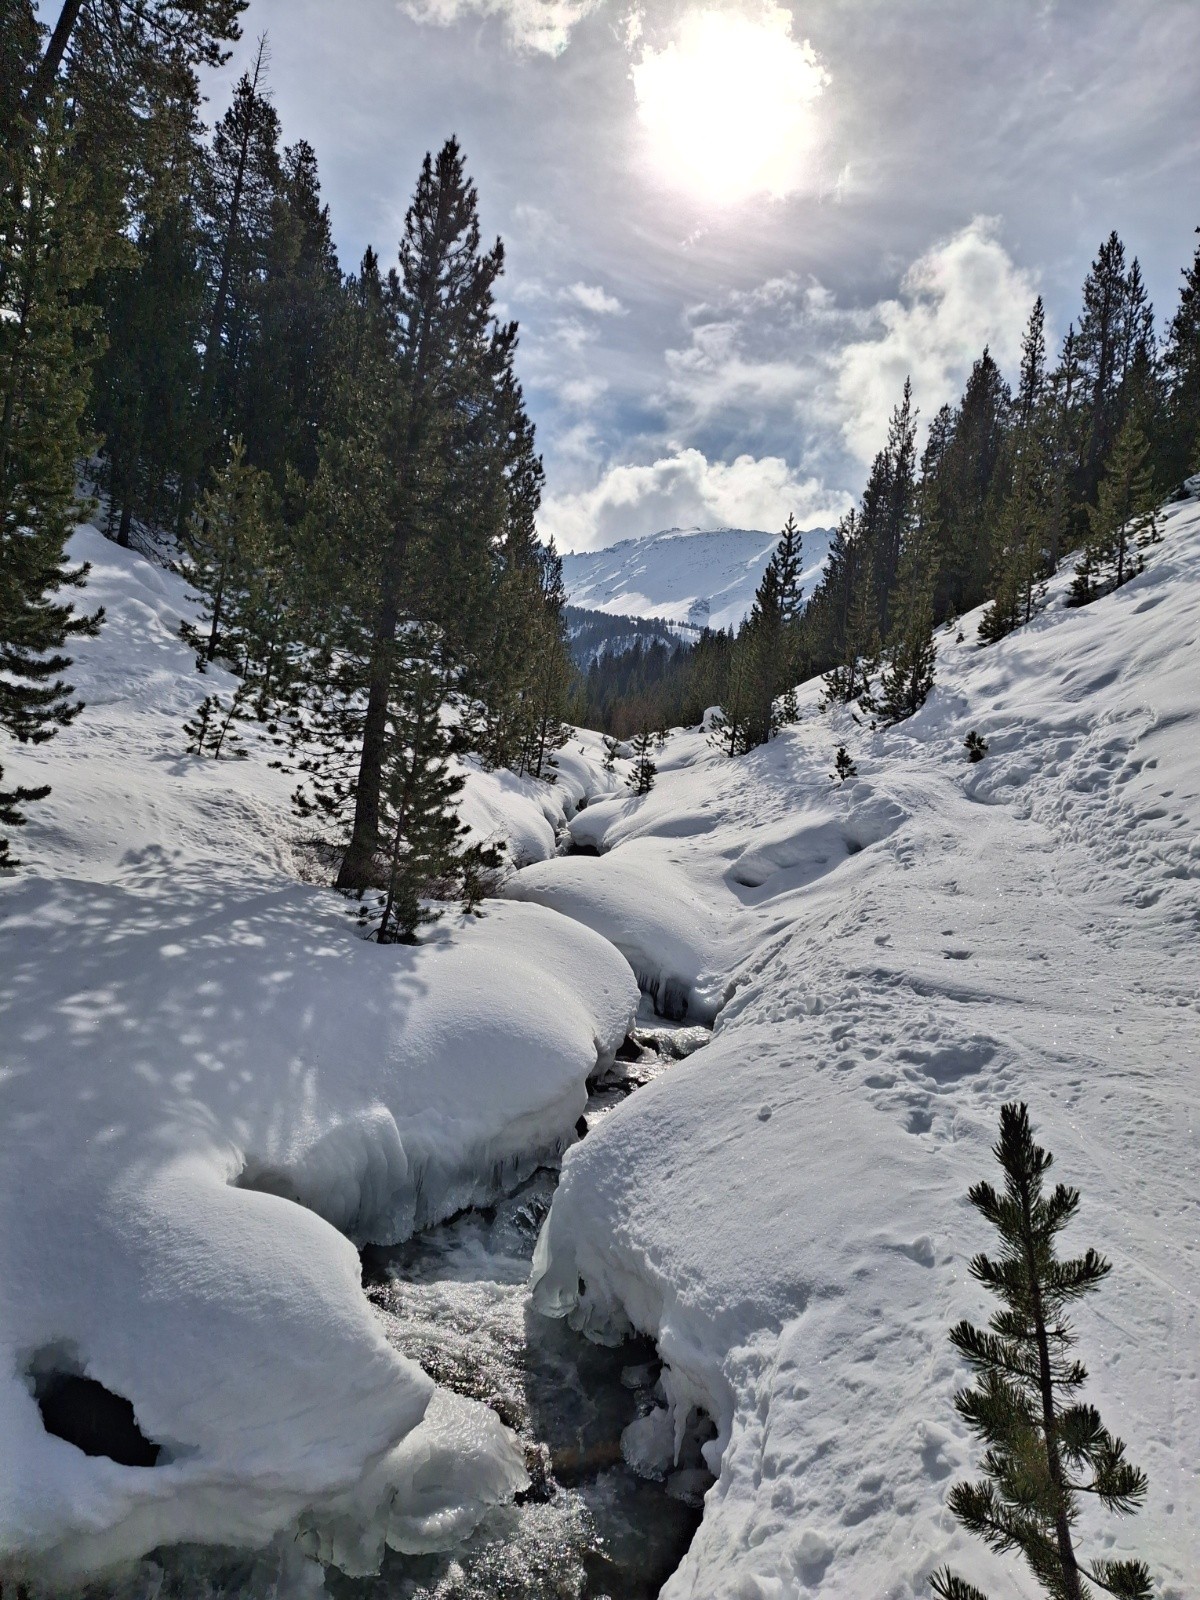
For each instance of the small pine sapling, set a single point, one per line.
(843, 766)
(612, 749)
(1045, 1449)
(641, 779)
(975, 745)
(211, 729)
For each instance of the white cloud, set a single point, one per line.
(685, 489)
(534, 27)
(727, 103)
(593, 298)
(964, 293)
(582, 392)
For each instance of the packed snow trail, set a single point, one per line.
(786, 1213)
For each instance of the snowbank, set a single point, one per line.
(210, 1085)
(786, 1213)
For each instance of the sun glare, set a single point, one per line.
(728, 104)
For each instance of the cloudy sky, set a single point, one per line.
(734, 226)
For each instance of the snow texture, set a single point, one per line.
(785, 1212)
(211, 1085)
(703, 578)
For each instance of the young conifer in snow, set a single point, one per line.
(612, 749)
(908, 677)
(1045, 1448)
(843, 765)
(424, 838)
(641, 779)
(229, 545)
(1123, 522)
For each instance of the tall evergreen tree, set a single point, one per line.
(1115, 354)
(1045, 1448)
(284, 393)
(887, 504)
(1124, 520)
(449, 364)
(1181, 366)
(50, 249)
(1022, 534)
(243, 184)
(963, 494)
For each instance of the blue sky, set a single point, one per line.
(733, 228)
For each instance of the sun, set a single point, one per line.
(728, 104)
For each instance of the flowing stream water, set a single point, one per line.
(456, 1299)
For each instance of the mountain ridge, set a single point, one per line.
(704, 577)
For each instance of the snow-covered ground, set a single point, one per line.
(210, 1084)
(703, 577)
(786, 1211)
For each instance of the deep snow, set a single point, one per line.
(693, 575)
(211, 1084)
(195, 1041)
(786, 1212)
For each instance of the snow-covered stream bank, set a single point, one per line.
(213, 1090)
(456, 1299)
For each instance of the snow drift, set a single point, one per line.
(786, 1212)
(211, 1085)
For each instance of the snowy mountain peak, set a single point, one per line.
(702, 576)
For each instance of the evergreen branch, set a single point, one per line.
(1126, 1580)
(948, 1585)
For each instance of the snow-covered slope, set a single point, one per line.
(706, 578)
(786, 1211)
(210, 1084)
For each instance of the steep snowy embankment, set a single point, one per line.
(208, 1081)
(786, 1212)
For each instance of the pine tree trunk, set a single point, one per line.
(43, 79)
(358, 864)
(1062, 1528)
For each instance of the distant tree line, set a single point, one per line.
(345, 461)
(1008, 483)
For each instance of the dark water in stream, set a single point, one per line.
(456, 1299)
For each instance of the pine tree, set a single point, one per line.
(139, 34)
(641, 779)
(424, 837)
(229, 560)
(908, 676)
(1022, 532)
(284, 393)
(976, 747)
(843, 765)
(243, 183)
(1114, 351)
(961, 494)
(50, 248)
(1045, 1448)
(850, 679)
(448, 367)
(1181, 365)
(1124, 520)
